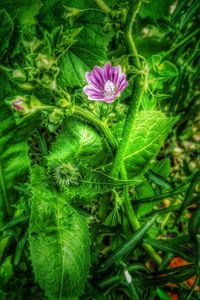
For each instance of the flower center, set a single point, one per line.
(109, 89)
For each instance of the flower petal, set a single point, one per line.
(92, 93)
(106, 72)
(115, 74)
(93, 81)
(98, 75)
(122, 83)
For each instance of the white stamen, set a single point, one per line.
(109, 89)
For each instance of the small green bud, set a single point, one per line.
(44, 62)
(56, 116)
(64, 102)
(19, 75)
(71, 12)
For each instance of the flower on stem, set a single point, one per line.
(105, 84)
(18, 104)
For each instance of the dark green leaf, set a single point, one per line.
(177, 275)
(187, 17)
(23, 12)
(171, 247)
(6, 30)
(129, 245)
(19, 249)
(188, 196)
(15, 221)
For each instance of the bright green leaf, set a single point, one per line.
(167, 69)
(88, 51)
(59, 241)
(151, 129)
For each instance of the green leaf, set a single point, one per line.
(77, 141)
(178, 10)
(190, 13)
(170, 247)
(176, 275)
(13, 222)
(158, 180)
(19, 249)
(23, 12)
(14, 159)
(162, 294)
(6, 30)
(88, 51)
(75, 154)
(194, 224)
(188, 196)
(167, 69)
(155, 9)
(59, 41)
(154, 61)
(6, 271)
(59, 241)
(151, 129)
(129, 245)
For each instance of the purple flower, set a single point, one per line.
(105, 84)
(18, 104)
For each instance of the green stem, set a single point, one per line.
(127, 203)
(135, 224)
(186, 39)
(138, 90)
(97, 123)
(129, 125)
(42, 143)
(103, 6)
(128, 27)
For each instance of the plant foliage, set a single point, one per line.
(99, 200)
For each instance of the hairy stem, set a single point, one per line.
(138, 91)
(88, 116)
(130, 20)
(129, 125)
(103, 6)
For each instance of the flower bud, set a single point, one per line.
(64, 102)
(56, 116)
(18, 104)
(44, 62)
(19, 75)
(71, 12)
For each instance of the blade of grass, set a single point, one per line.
(128, 246)
(20, 248)
(158, 179)
(170, 247)
(14, 222)
(188, 196)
